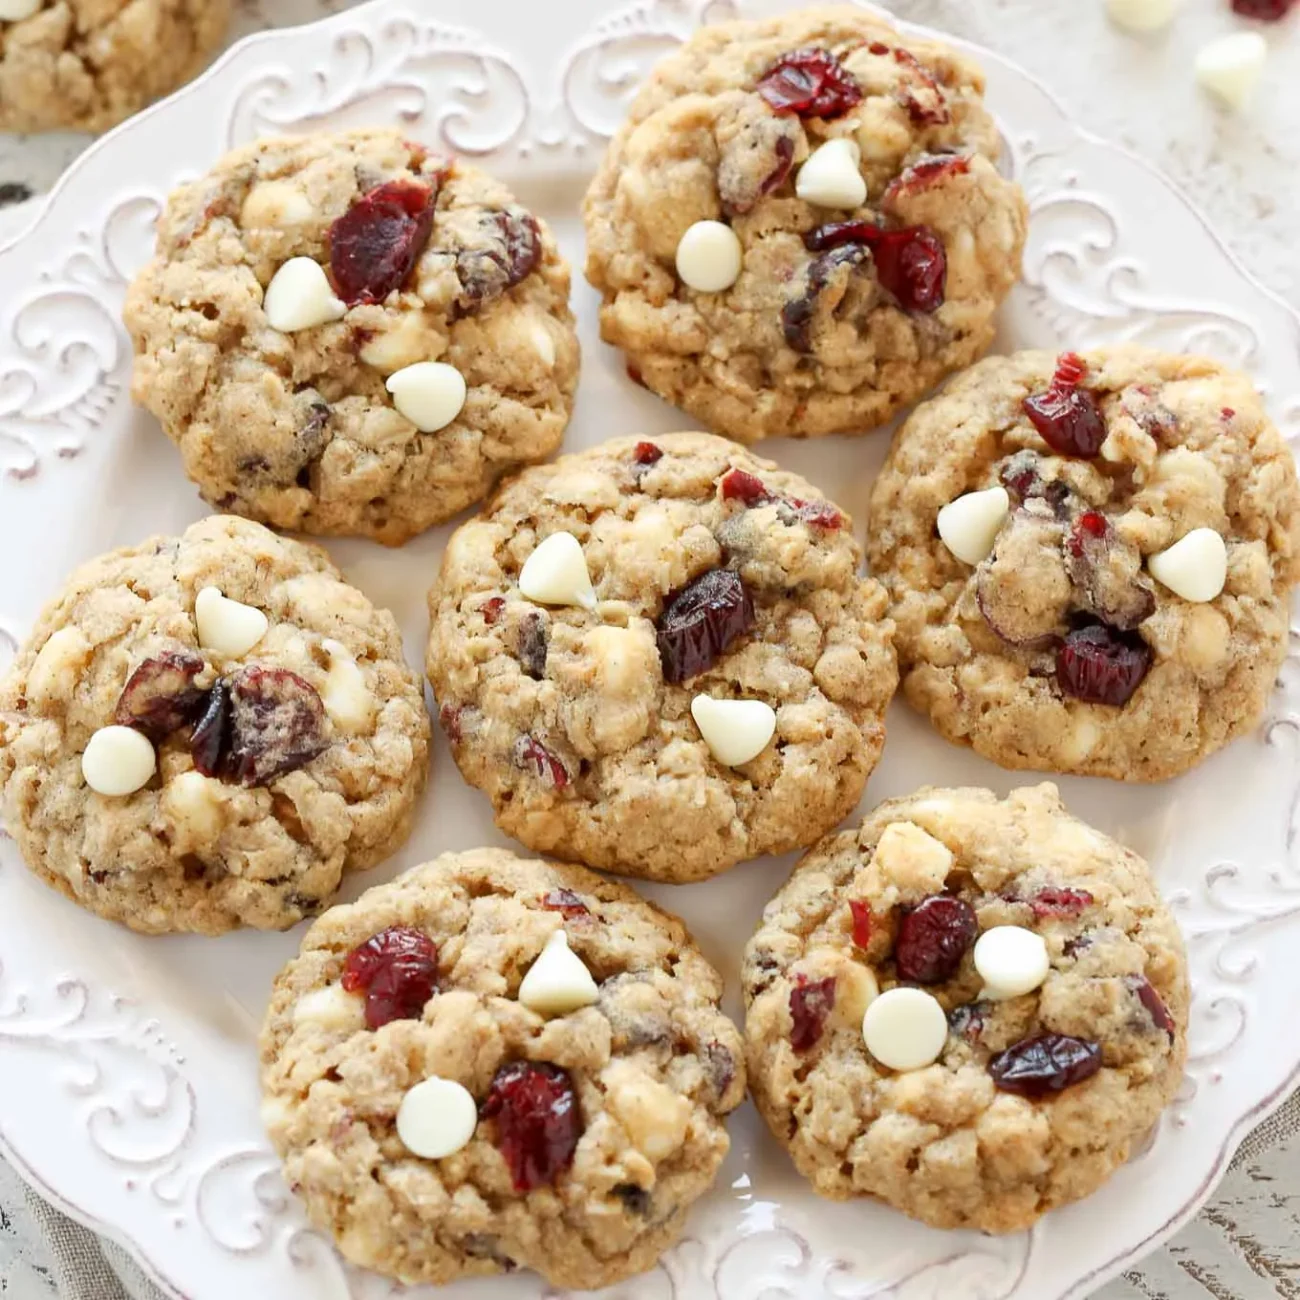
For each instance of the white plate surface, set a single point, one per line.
(127, 1066)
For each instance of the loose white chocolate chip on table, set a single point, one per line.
(299, 297)
(734, 730)
(709, 257)
(969, 526)
(431, 394)
(557, 982)
(830, 178)
(118, 761)
(437, 1118)
(1195, 567)
(13, 11)
(1141, 15)
(1011, 961)
(556, 573)
(905, 1029)
(345, 695)
(1230, 67)
(226, 626)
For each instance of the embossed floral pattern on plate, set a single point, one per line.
(128, 1087)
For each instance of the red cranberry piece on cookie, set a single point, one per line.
(538, 1123)
(933, 937)
(374, 245)
(701, 621)
(811, 83)
(1066, 416)
(397, 969)
(811, 1001)
(1100, 665)
(160, 696)
(1037, 1067)
(277, 724)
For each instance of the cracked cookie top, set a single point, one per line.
(1017, 972)
(1090, 559)
(659, 657)
(347, 334)
(589, 1127)
(207, 731)
(800, 227)
(85, 65)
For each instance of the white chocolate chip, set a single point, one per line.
(1230, 67)
(345, 695)
(734, 730)
(1011, 961)
(969, 526)
(118, 761)
(195, 813)
(557, 982)
(1141, 15)
(14, 11)
(53, 676)
(656, 1118)
(543, 343)
(905, 1029)
(556, 573)
(431, 394)
(1195, 567)
(709, 257)
(912, 859)
(275, 205)
(400, 343)
(437, 1118)
(299, 297)
(831, 177)
(331, 1007)
(228, 627)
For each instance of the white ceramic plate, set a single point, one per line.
(127, 1066)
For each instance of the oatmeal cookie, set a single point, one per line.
(85, 65)
(969, 1008)
(801, 226)
(658, 657)
(1090, 559)
(207, 731)
(494, 1063)
(346, 334)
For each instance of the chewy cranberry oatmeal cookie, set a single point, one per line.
(207, 731)
(968, 1008)
(1090, 559)
(347, 334)
(801, 227)
(658, 657)
(85, 65)
(494, 1063)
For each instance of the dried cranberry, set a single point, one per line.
(533, 639)
(1100, 665)
(1066, 416)
(1092, 523)
(967, 1020)
(925, 103)
(933, 937)
(740, 485)
(1154, 1004)
(398, 970)
(1105, 573)
(450, 715)
(375, 243)
(491, 609)
(1035, 1067)
(1021, 475)
(277, 724)
(210, 739)
(756, 159)
(532, 756)
(821, 514)
(811, 1001)
(810, 82)
(701, 621)
(537, 1120)
(1057, 900)
(861, 913)
(797, 315)
(566, 902)
(911, 264)
(647, 453)
(721, 1067)
(510, 252)
(924, 172)
(783, 152)
(160, 696)
(1269, 11)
